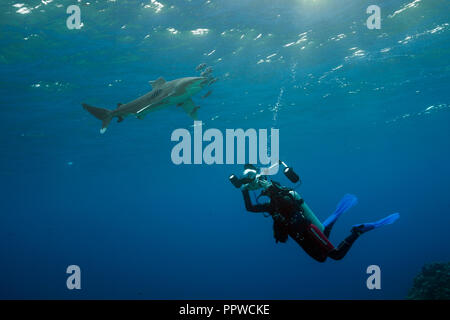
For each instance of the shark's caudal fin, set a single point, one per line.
(102, 114)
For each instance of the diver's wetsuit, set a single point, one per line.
(288, 220)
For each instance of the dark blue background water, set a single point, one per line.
(359, 111)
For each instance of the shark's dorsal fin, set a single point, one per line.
(157, 83)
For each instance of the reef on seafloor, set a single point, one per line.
(432, 283)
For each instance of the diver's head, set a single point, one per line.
(284, 199)
(276, 190)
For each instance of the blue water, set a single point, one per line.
(359, 111)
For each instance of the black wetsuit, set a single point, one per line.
(289, 220)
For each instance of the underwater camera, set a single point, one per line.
(235, 181)
(250, 173)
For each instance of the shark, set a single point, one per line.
(164, 93)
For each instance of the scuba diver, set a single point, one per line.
(292, 216)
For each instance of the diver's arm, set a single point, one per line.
(254, 208)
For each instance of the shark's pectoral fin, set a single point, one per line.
(119, 119)
(190, 108)
(194, 113)
(207, 94)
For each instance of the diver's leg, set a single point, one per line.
(327, 229)
(357, 230)
(346, 203)
(342, 249)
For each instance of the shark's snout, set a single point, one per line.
(197, 81)
(195, 84)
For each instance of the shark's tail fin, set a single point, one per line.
(102, 114)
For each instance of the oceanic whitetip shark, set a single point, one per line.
(164, 93)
